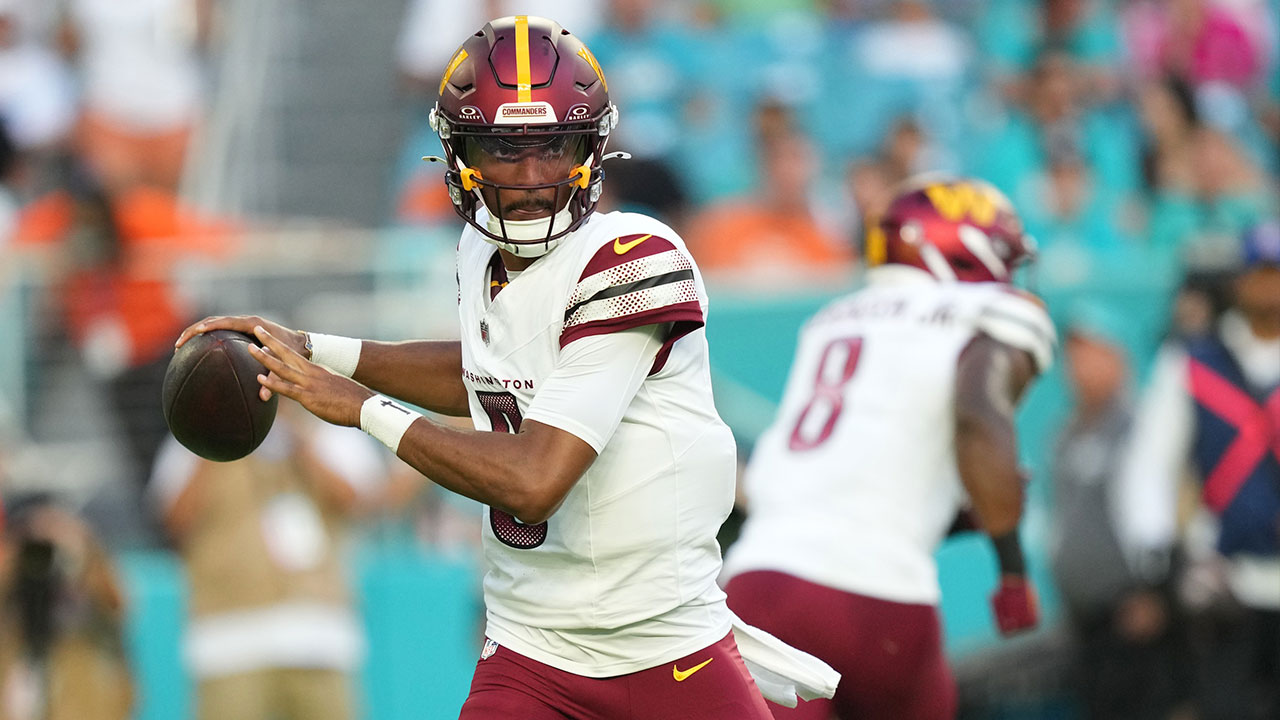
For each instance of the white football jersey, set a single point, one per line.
(854, 484)
(632, 550)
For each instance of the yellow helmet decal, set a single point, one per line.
(963, 200)
(585, 54)
(458, 57)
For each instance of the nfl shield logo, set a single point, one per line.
(490, 647)
(484, 331)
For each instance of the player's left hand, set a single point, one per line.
(1015, 606)
(325, 394)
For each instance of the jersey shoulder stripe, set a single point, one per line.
(631, 281)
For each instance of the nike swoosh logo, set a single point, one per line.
(621, 248)
(682, 675)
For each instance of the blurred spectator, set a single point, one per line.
(1127, 659)
(869, 184)
(1199, 302)
(1057, 118)
(1167, 111)
(272, 633)
(109, 257)
(647, 186)
(906, 151)
(140, 75)
(1013, 32)
(653, 64)
(912, 62)
(1210, 201)
(773, 236)
(912, 43)
(1213, 402)
(37, 94)
(1073, 223)
(1200, 41)
(62, 655)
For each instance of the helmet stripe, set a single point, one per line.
(453, 65)
(979, 243)
(524, 85)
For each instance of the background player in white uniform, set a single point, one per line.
(897, 415)
(583, 365)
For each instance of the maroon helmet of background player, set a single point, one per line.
(957, 229)
(524, 84)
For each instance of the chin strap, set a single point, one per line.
(528, 230)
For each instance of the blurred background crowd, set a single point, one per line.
(161, 160)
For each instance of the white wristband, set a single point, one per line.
(339, 354)
(386, 420)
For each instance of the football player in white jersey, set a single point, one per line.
(583, 364)
(897, 416)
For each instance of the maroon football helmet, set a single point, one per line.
(953, 228)
(524, 84)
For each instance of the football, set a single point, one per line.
(210, 396)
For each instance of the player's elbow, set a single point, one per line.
(536, 508)
(976, 422)
(550, 462)
(537, 501)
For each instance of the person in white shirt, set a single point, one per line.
(1213, 404)
(583, 364)
(142, 91)
(897, 415)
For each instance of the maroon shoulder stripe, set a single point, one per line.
(625, 248)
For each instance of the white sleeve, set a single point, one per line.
(594, 382)
(1144, 505)
(1018, 320)
(174, 468)
(354, 457)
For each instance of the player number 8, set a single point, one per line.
(818, 418)
(504, 416)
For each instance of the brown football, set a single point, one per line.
(210, 396)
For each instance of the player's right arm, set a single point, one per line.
(1013, 343)
(425, 373)
(990, 380)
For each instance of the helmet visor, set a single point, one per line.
(567, 148)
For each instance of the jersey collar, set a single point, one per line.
(894, 275)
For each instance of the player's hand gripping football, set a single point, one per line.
(326, 394)
(245, 324)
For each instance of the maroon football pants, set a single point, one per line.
(889, 655)
(710, 684)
